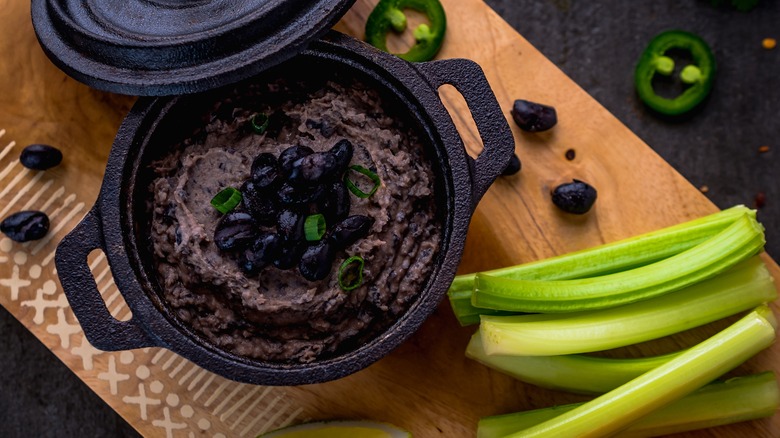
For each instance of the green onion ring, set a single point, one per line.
(368, 173)
(314, 227)
(260, 122)
(348, 281)
(226, 200)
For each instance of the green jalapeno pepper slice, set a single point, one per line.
(699, 75)
(388, 15)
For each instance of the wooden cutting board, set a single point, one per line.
(427, 385)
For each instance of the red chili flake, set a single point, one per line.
(760, 199)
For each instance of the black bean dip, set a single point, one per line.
(277, 315)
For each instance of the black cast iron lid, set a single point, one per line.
(165, 47)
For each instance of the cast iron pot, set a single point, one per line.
(112, 225)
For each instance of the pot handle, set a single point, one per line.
(498, 142)
(102, 330)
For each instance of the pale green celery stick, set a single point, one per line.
(732, 401)
(741, 288)
(600, 260)
(460, 300)
(573, 373)
(665, 384)
(743, 239)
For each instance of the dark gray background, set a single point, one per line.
(596, 43)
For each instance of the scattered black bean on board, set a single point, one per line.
(25, 226)
(576, 197)
(532, 116)
(40, 157)
(512, 167)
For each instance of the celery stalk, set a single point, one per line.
(744, 287)
(739, 241)
(671, 381)
(604, 259)
(731, 401)
(573, 373)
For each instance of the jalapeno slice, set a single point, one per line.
(388, 15)
(699, 75)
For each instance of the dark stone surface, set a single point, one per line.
(597, 44)
(41, 397)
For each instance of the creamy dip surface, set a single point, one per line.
(277, 315)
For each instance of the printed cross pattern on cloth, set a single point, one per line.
(167, 394)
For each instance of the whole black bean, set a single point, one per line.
(290, 195)
(576, 197)
(317, 261)
(290, 225)
(313, 169)
(350, 230)
(513, 166)
(40, 157)
(262, 252)
(235, 230)
(265, 171)
(342, 151)
(260, 203)
(327, 129)
(335, 202)
(532, 116)
(25, 226)
(289, 254)
(291, 155)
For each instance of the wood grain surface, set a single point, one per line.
(427, 385)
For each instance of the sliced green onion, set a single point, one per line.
(740, 289)
(314, 227)
(351, 273)
(741, 240)
(226, 200)
(665, 384)
(259, 122)
(576, 373)
(726, 402)
(355, 189)
(604, 259)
